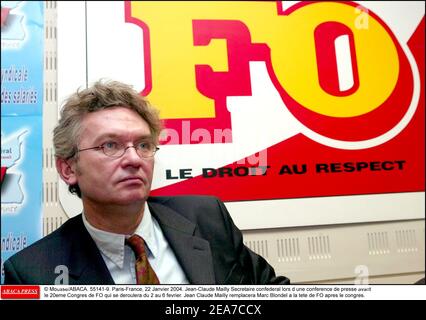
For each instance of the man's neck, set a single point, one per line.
(115, 219)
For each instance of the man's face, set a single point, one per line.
(106, 180)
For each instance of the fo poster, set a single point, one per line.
(294, 113)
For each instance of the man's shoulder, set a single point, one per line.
(56, 238)
(183, 200)
(192, 207)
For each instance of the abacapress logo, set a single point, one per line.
(20, 292)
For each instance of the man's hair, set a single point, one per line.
(101, 95)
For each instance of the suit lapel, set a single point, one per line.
(193, 252)
(86, 265)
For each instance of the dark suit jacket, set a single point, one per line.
(200, 231)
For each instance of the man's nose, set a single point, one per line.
(131, 147)
(131, 154)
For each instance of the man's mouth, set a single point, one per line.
(136, 179)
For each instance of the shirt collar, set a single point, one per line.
(112, 244)
(146, 231)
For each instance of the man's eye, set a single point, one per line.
(143, 145)
(110, 145)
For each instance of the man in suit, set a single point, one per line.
(105, 144)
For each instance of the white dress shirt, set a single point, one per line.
(120, 258)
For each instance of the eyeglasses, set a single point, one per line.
(116, 150)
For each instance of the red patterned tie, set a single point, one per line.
(144, 272)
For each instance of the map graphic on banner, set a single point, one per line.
(10, 155)
(22, 58)
(21, 184)
(11, 24)
(21, 125)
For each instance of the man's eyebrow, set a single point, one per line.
(107, 136)
(144, 137)
(119, 137)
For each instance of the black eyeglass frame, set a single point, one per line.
(102, 147)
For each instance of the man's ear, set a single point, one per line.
(66, 170)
